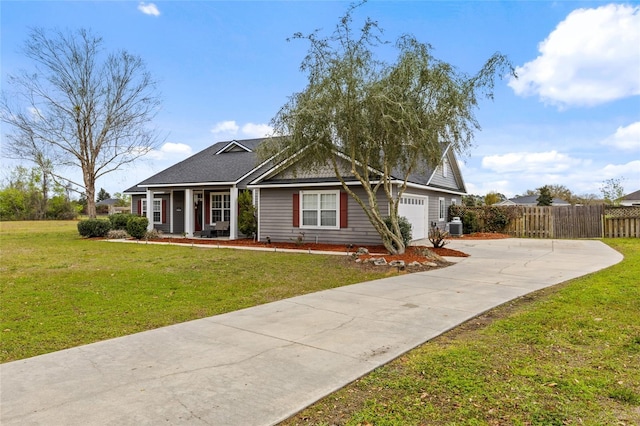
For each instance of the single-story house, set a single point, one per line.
(112, 205)
(531, 201)
(204, 189)
(632, 199)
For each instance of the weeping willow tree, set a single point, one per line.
(384, 120)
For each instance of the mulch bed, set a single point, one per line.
(413, 253)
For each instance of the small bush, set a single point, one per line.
(247, 222)
(469, 222)
(154, 234)
(137, 226)
(94, 227)
(119, 220)
(405, 229)
(117, 234)
(438, 237)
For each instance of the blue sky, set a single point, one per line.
(225, 68)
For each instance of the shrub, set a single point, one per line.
(59, 208)
(119, 220)
(469, 222)
(154, 234)
(405, 228)
(496, 220)
(117, 234)
(438, 237)
(94, 227)
(247, 223)
(137, 226)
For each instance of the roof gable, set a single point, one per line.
(233, 146)
(423, 174)
(447, 175)
(223, 162)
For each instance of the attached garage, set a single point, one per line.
(415, 209)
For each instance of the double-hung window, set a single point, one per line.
(442, 209)
(320, 209)
(157, 209)
(220, 207)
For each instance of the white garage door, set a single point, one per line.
(415, 209)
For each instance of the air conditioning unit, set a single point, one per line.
(455, 227)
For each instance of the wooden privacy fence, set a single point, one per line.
(558, 222)
(622, 222)
(594, 221)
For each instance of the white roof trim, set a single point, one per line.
(353, 183)
(300, 184)
(232, 144)
(168, 185)
(258, 167)
(276, 168)
(435, 169)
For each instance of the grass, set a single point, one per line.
(568, 355)
(59, 290)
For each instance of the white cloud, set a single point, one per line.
(227, 127)
(180, 149)
(148, 9)
(626, 138)
(630, 170)
(591, 57)
(531, 162)
(256, 130)
(250, 130)
(172, 151)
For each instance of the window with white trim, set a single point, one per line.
(445, 167)
(442, 209)
(319, 209)
(157, 209)
(220, 207)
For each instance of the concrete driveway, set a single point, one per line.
(260, 365)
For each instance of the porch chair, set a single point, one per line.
(208, 231)
(222, 228)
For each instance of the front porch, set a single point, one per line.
(188, 212)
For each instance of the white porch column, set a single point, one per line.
(256, 203)
(170, 215)
(150, 209)
(189, 213)
(233, 223)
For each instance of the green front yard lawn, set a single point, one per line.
(567, 355)
(59, 290)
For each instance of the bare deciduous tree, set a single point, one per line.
(81, 108)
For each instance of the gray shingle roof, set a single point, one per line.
(632, 196)
(206, 166)
(533, 199)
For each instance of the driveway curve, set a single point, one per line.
(260, 365)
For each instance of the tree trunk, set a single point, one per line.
(90, 190)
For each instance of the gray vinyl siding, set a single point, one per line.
(164, 227)
(276, 220)
(444, 182)
(134, 204)
(324, 172)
